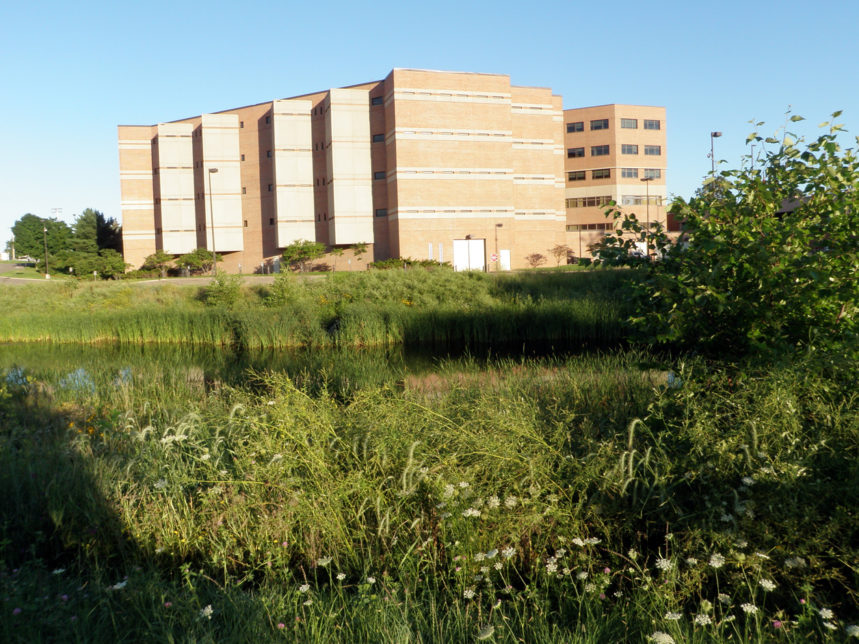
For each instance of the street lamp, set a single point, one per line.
(212, 221)
(497, 256)
(646, 181)
(45, 235)
(713, 135)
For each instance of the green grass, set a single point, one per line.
(595, 491)
(375, 308)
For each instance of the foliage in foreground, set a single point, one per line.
(769, 258)
(586, 500)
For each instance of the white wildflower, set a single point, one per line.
(552, 498)
(323, 561)
(493, 501)
(749, 609)
(566, 571)
(468, 593)
(119, 585)
(761, 555)
(58, 571)
(729, 619)
(308, 602)
(484, 570)
(592, 541)
(830, 626)
(691, 561)
(486, 632)
(560, 552)
(660, 637)
(492, 554)
(371, 580)
(664, 564)
(767, 584)
(852, 630)
(703, 620)
(582, 575)
(589, 588)
(795, 562)
(551, 567)
(463, 484)
(742, 543)
(508, 553)
(341, 576)
(449, 490)
(717, 560)
(471, 512)
(207, 612)
(303, 588)
(672, 617)
(579, 542)
(160, 484)
(748, 480)
(445, 515)
(724, 599)
(479, 556)
(826, 613)
(498, 565)
(478, 578)
(511, 501)
(632, 554)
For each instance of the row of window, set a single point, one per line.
(602, 124)
(573, 228)
(605, 173)
(603, 150)
(588, 202)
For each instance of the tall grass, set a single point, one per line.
(583, 499)
(437, 308)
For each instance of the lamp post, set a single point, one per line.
(713, 135)
(646, 181)
(45, 236)
(497, 256)
(212, 222)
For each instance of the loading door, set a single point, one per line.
(469, 254)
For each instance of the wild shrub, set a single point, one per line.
(223, 292)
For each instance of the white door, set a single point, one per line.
(469, 254)
(504, 256)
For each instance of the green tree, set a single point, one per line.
(85, 232)
(560, 251)
(299, 254)
(197, 261)
(770, 260)
(159, 260)
(29, 236)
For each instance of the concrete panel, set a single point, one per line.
(175, 201)
(222, 190)
(292, 143)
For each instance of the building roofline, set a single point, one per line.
(589, 107)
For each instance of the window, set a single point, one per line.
(599, 124)
(381, 212)
(604, 173)
(588, 202)
(246, 223)
(628, 148)
(641, 200)
(651, 125)
(378, 138)
(269, 187)
(379, 175)
(599, 150)
(267, 120)
(241, 123)
(573, 228)
(578, 126)
(578, 175)
(271, 221)
(244, 190)
(629, 173)
(652, 173)
(653, 150)
(243, 157)
(629, 124)
(575, 153)
(268, 153)
(377, 100)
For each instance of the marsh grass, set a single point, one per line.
(577, 499)
(378, 308)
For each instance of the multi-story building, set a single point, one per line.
(456, 167)
(448, 166)
(613, 153)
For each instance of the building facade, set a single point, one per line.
(457, 167)
(613, 153)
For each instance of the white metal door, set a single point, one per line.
(504, 256)
(469, 255)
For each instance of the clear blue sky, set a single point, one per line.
(72, 72)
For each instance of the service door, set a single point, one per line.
(469, 254)
(505, 259)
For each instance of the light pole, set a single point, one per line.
(497, 256)
(713, 135)
(45, 236)
(212, 222)
(646, 181)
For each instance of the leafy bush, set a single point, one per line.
(223, 292)
(298, 255)
(769, 257)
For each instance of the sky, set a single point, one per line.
(71, 72)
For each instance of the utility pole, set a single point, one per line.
(45, 236)
(212, 221)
